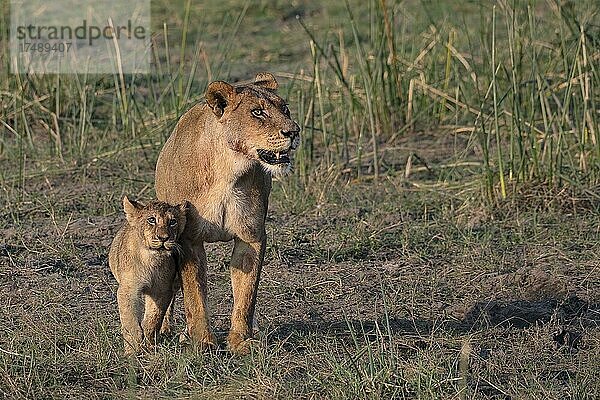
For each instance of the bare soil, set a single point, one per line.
(349, 265)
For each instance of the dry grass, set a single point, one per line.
(366, 293)
(394, 269)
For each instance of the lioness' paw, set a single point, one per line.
(207, 340)
(237, 344)
(204, 341)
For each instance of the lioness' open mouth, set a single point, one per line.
(274, 158)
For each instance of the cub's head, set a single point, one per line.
(256, 121)
(158, 224)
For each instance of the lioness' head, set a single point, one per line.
(257, 121)
(158, 224)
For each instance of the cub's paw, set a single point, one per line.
(165, 328)
(130, 351)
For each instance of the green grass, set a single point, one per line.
(514, 85)
(438, 238)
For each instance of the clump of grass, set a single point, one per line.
(81, 117)
(363, 292)
(517, 87)
(524, 88)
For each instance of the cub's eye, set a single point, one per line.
(258, 112)
(286, 111)
(173, 222)
(151, 220)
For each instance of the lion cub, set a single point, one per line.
(142, 258)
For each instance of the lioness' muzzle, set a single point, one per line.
(274, 158)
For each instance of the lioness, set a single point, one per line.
(142, 260)
(220, 158)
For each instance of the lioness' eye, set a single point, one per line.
(258, 112)
(151, 220)
(173, 222)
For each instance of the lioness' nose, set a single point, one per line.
(289, 134)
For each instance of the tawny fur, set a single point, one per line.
(211, 160)
(142, 258)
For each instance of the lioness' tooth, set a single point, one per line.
(277, 155)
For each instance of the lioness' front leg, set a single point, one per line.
(193, 276)
(246, 263)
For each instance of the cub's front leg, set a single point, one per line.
(131, 311)
(158, 299)
(246, 264)
(156, 304)
(166, 324)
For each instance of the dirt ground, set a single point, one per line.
(406, 283)
(408, 287)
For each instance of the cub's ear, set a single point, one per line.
(266, 80)
(218, 95)
(132, 209)
(184, 207)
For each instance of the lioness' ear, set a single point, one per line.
(218, 95)
(266, 80)
(132, 208)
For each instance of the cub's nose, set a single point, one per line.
(162, 238)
